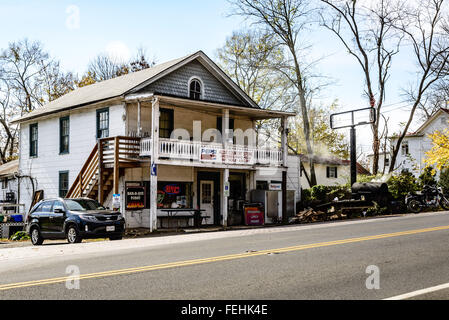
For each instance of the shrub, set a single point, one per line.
(20, 235)
(365, 178)
(444, 180)
(428, 177)
(400, 185)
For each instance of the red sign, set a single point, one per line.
(172, 189)
(254, 216)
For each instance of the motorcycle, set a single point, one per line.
(429, 197)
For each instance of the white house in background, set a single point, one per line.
(384, 161)
(9, 192)
(116, 137)
(329, 171)
(415, 145)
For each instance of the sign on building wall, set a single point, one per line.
(135, 198)
(116, 201)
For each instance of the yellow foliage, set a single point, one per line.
(439, 154)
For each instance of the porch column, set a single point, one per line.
(154, 160)
(139, 115)
(224, 196)
(284, 141)
(284, 170)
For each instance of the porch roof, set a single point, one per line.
(199, 105)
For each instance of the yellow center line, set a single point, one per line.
(216, 259)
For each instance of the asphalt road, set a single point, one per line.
(324, 261)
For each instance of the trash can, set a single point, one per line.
(17, 218)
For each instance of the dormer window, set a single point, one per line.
(195, 89)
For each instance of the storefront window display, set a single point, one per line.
(174, 195)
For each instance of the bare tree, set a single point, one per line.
(22, 65)
(104, 67)
(287, 20)
(252, 59)
(427, 32)
(368, 35)
(29, 78)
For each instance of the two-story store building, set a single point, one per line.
(177, 135)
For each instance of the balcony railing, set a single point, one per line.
(211, 153)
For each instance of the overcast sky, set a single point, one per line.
(76, 31)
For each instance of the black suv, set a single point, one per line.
(74, 219)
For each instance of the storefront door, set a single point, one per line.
(207, 200)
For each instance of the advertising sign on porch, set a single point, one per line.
(135, 198)
(209, 154)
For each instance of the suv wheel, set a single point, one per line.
(73, 235)
(116, 238)
(36, 238)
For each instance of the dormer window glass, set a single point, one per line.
(195, 89)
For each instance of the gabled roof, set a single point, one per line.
(130, 83)
(420, 132)
(430, 120)
(331, 160)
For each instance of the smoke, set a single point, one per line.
(382, 178)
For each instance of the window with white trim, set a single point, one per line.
(404, 148)
(195, 89)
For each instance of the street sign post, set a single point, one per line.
(352, 119)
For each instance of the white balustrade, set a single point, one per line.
(212, 153)
(145, 147)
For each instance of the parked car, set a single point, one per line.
(73, 219)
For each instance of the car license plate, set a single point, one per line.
(110, 228)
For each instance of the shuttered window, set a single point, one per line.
(331, 172)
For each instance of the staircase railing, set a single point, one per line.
(86, 175)
(108, 153)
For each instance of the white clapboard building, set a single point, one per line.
(179, 134)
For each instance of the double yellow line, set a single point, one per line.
(216, 259)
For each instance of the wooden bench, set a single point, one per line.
(174, 214)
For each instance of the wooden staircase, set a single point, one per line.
(102, 169)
